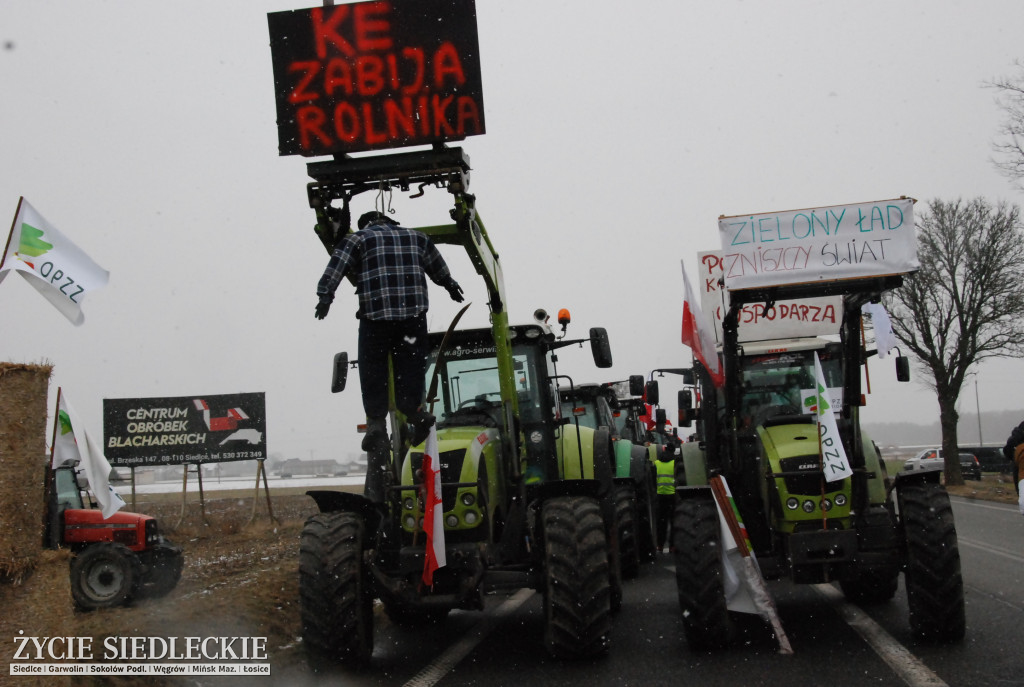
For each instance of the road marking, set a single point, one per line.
(1005, 507)
(444, 663)
(990, 549)
(905, 664)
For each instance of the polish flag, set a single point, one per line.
(698, 335)
(433, 518)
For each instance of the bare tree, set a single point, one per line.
(965, 304)
(1009, 145)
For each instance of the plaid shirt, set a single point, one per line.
(387, 263)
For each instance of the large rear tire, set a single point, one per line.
(647, 522)
(697, 547)
(626, 521)
(577, 594)
(336, 605)
(104, 575)
(935, 588)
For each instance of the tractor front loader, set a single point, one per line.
(526, 499)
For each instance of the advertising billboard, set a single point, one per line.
(185, 429)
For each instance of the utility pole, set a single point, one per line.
(977, 406)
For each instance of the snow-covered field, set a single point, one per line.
(239, 483)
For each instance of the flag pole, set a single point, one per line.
(48, 475)
(14, 222)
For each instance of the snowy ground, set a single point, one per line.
(232, 483)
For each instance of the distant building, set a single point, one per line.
(296, 466)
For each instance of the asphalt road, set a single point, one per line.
(834, 643)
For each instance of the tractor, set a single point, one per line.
(617, 406)
(528, 498)
(757, 433)
(115, 559)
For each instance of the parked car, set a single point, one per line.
(991, 458)
(931, 459)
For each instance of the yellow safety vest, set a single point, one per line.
(666, 476)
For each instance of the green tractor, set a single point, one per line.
(616, 406)
(757, 433)
(527, 498)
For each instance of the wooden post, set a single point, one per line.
(261, 470)
(184, 493)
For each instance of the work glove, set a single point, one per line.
(321, 310)
(455, 291)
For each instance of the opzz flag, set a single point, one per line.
(50, 262)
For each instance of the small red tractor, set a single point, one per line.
(115, 559)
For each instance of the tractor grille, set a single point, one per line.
(451, 471)
(802, 474)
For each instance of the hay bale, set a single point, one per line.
(39, 605)
(23, 423)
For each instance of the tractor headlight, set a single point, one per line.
(468, 498)
(470, 517)
(792, 503)
(808, 506)
(826, 505)
(840, 499)
(410, 522)
(452, 521)
(408, 503)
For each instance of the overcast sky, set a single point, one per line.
(617, 133)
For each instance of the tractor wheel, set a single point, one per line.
(604, 474)
(647, 540)
(626, 521)
(577, 594)
(696, 542)
(164, 572)
(336, 605)
(935, 588)
(104, 575)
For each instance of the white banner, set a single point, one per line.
(790, 319)
(833, 455)
(819, 244)
(50, 262)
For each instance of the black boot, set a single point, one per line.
(376, 434)
(418, 427)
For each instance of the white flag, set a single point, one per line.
(73, 442)
(833, 455)
(50, 262)
(885, 340)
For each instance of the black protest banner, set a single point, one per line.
(376, 75)
(184, 429)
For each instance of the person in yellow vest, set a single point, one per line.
(665, 464)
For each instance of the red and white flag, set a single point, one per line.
(698, 334)
(433, 518)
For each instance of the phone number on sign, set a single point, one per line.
(241, 455)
